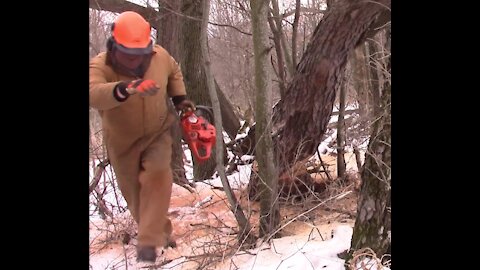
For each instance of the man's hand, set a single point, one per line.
(144, 87)
(185, 105)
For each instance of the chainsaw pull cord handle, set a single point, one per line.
(186, 112)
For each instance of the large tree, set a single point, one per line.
(373, 221)
(300, 119)
(195, 78)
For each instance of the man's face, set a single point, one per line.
(129, 61)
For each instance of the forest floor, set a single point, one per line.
(204, 225)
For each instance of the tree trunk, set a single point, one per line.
(301, 118)
(195, 79)
(168, 27)
(279, 53)
(212, 89)
(374, 77)
(194, 73)
(341, 130)
(295, 33)
(287, 56)
(167, 36)
(360, 81)
(373, 223)
(267, 173)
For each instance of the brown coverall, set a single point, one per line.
(138, 140)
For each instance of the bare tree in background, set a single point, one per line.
(341, 130)
(231, 51)
(267, 173)
(235, 207)
(98, 32)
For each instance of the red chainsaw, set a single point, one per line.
(199, 135)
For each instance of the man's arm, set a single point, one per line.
(103, 95)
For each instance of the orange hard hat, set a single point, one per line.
(131, 33)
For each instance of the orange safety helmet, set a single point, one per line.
(131, 34)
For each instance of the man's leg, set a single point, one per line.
(155, 190)
(126, 169)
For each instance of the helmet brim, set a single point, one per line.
(135, 51)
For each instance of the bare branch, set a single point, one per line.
(303, 10)
(118, 6)
(98, 173)
(231, 26)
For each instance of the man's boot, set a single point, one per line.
(171, 243)
(146, 254)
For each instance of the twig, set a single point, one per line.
(212, 23)
(98, 174)
(318, 230)
(323, 166)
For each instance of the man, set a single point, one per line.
(130, 85)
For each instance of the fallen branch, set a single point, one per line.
(98, 174)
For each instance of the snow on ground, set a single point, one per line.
(302, 252)
(305, 250)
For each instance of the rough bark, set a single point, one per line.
(168, 27)
(373, 223)
(301, 118)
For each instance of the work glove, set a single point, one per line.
(144, 87)
(185, 105)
